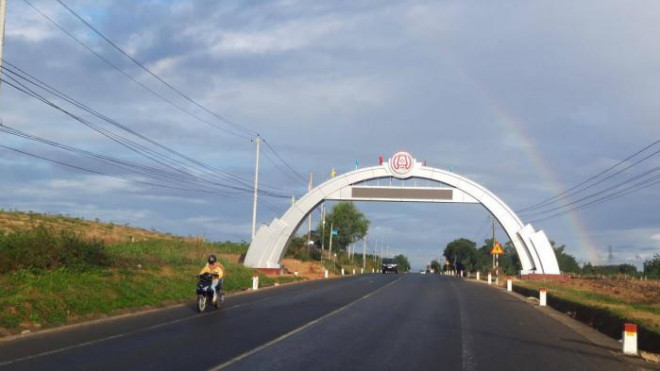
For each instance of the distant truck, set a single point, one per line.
(390, 265)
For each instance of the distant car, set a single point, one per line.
(390, 265)
(422, 271)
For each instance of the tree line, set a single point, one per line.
(463, 255)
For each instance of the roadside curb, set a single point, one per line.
(644, 359)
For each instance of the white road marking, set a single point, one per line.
(295, 331)
(112, 337)
(91, 342)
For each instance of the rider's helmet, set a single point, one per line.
(212, 259)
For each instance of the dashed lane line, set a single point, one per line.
(297, 330)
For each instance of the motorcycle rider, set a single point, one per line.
(217, 270)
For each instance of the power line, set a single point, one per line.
(133, 146)
(97, 172)
(595, 194)
(285, 163)
(125, 74)
(154, 75)
(11, 69)
(143, 170)
(638, 187)
(576, 189)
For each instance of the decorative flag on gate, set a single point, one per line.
(333, 172)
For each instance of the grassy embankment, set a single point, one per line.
(51, 275)
(631, 308)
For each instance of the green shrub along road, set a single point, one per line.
(49, 278)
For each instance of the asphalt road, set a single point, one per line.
(370, 322)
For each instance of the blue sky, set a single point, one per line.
(526, 98)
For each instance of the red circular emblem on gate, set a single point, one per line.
(401, 163)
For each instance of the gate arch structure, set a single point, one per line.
(534, 250)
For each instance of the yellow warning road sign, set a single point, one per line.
(497, 249)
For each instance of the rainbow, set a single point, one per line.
(517, 129)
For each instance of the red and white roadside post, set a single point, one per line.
(509, 284)
(543, 296)
(255, 282)
(629, 339)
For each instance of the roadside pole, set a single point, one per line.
(332, 224)
(364, 253)
(256, 187)
(309, 217)
(322, 231)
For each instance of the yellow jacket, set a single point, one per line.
(215, 269)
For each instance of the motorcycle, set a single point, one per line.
(205, 292)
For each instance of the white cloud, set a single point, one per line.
(280, 38)
(91, 184)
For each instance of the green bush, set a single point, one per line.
(45, 248)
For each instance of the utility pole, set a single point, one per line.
(3, 9)
(364, 253)
(322, 229)
(309, 217)
(256, 187)
(331, 235)
(495, 256)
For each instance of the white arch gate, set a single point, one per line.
(268, 247)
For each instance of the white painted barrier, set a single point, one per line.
(543, 297)
(342, 271)
(325, 275)
(629, 338)
(509, 285)
(361, 270)
(255, 282)
(490, 279)
(478, 278)
(354, 272)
